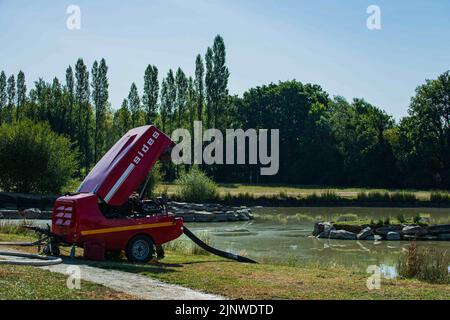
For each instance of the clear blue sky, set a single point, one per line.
(324, 42)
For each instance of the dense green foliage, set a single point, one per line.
(34, 159)
(195, 186)
(323, 140)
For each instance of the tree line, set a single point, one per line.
(323, 140)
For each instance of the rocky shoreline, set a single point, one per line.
(209, 212)
(394, 232)
(191, 212)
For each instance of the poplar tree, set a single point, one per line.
(151, 91)
(199, 85)
(70, 101)
(21, 94)
(181, 90)
(221, 74)
(164, 105)
(209, 82)
(41, 92)
(191, 102)
(57, 107)
(134, 104)
(11, 93)
(171, 98)
(3, 95)
(82, 94)
(100, 99)
(122, 120)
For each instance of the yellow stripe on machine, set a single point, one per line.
(127, 228)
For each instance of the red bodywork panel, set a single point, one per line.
(77, 219)
(123, 168)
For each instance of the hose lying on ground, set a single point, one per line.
(37, 260)
(215, 251)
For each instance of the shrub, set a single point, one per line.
(373, 196)
(195, 186)
(34, 159)
(327, 196)
(403, 197)
(386, 196)
(427, 264)
(330, 195)
(16, 228)
(417, 218)
(347, 217)
(401, 218)
(186, 246)
(439, 197)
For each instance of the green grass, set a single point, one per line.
(16, 228)
(28, 283)
(269, 281)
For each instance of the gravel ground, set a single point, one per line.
(136, 285)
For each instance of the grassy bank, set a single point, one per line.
(300, 191)
(267, 281)
(291, 195)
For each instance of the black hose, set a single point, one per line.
(20, 244)
(215, 251)
(36, 260)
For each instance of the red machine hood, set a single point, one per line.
(123, 168)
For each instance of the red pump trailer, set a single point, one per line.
(104, 217)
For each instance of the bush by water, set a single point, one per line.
(34, 159)
(195, 186)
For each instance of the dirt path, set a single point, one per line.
(136, 285)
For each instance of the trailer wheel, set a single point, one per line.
(140, 249)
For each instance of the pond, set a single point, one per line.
(284, 235)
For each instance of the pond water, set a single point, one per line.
(284, 235)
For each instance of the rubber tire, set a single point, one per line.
(144, 259)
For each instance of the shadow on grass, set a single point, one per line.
(151, 267)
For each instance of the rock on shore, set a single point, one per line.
(209, 212)
(329, 230)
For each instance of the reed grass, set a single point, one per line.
(186, 246)
(439, 197)
(424, 263)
